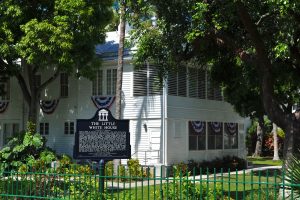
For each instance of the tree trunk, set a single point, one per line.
(287, 121)
(31, 91)
(275, 142)
(120, 71)
(292, 139)
(33, 110)
(258, 146)
(120, 59)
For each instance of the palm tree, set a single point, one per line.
(275, 142)
(122, 4)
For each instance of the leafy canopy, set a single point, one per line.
(214, 34)
(47, 33)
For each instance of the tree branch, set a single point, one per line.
(271, 106)
(24, 87)
(262, 18)
(47, 82)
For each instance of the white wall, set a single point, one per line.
(181, 110)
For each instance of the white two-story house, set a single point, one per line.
(182, 119)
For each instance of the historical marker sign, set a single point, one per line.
(102, 137)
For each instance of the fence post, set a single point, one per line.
(101, 177)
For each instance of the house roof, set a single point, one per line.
(109, 50)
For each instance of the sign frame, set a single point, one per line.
(101, 125)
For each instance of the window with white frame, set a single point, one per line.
(177, 82)
(4, 88)
(196, 83)
(64, 85)
(69, 128)
(44, 128)
(97, 84)
(105, 82)
(197, 135)
(111, 79)
(214, 91)
(146, 81)
(231, 136)
(215, 135)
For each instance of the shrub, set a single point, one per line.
(29, 149)
(182, 188)
(226, 163)
(177, 170)
(134, 168)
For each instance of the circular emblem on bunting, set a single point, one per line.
(216, 126)
(3, 106)
(48, 106)
(102, 102)
(198, 126)
(231, 128)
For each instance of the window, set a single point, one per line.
(196, 79)
(231, 136)
(69, 128)
(193, 83)
(197, 135)
(10, 130)
(111, 79)
(4, 88)
(44, 128)
(177, 82)
(215, 135)
(105, 83)
(146, 81)
(97, 84)
(214, 91)
(64, 85)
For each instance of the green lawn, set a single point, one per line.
(236, 186)
(264, 161)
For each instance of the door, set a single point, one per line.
(155, 145)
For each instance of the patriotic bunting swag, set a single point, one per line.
(231, 128)
(103, 102)
(48, 106)
(216, 126)
(3, 106)
(198, 126)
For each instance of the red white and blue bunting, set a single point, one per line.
(198, 126)
(3, 106)
(216, 126)
(102, 101)
(231, 128)
(48, 106)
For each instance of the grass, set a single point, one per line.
(264, 161)
(237, 186)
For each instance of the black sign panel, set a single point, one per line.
(102, 137)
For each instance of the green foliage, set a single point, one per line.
(134, 168)
(183, 188)
(251, 49)
(28, 150)
(193, 168)
(47, 33)
(293, 173)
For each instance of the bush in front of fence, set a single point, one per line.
(27, 150)
(226, 163)
(133, 171)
